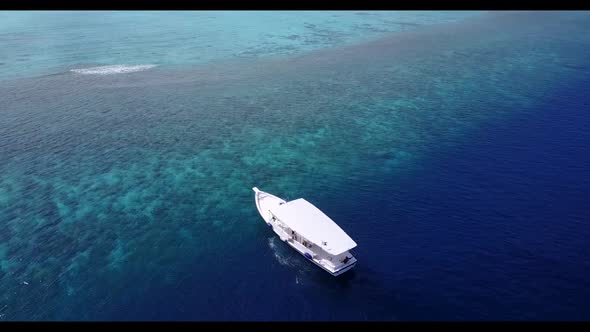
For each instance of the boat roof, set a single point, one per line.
(307, 220)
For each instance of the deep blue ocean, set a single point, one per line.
(452, 147)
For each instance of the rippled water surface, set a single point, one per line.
(453, 147)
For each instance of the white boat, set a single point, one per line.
(307, 230)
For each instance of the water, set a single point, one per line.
(35, 43)
(454, 152)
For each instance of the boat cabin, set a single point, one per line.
(313, 233)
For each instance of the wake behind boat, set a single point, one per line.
(308, 230)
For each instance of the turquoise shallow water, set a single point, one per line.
(37, 43)
(128, 195)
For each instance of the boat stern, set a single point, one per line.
(345, 264)
(345, 268)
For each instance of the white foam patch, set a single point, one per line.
(280, 258)
(288, 259)
(112, 69)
